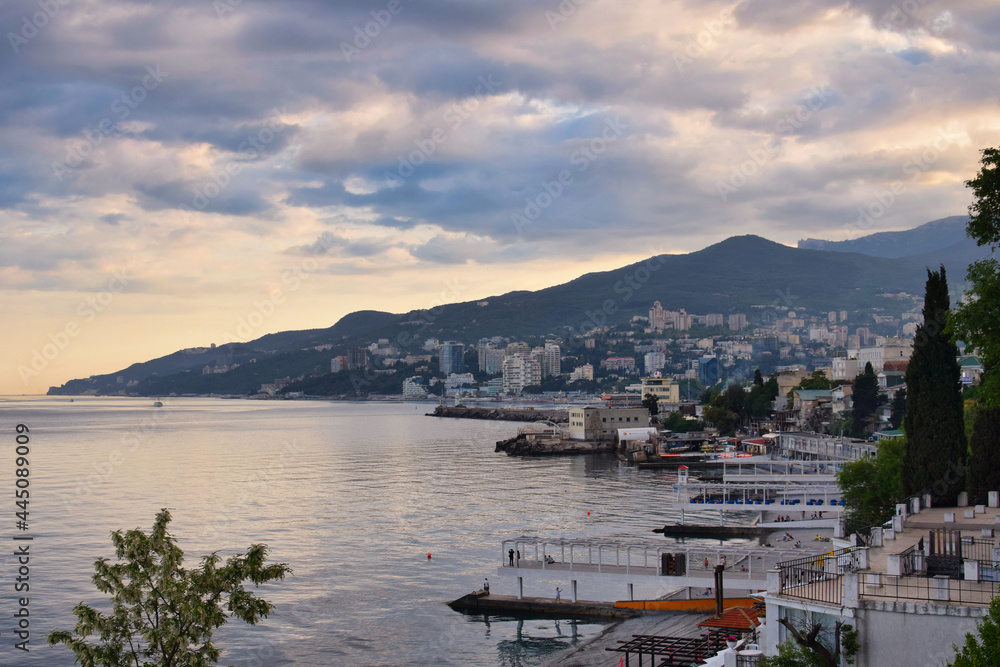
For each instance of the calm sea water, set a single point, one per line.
(352, 495)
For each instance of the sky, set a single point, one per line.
(177, 174)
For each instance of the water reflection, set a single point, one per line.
(526, 647)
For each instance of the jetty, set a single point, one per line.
(500, 414)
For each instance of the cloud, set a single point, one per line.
(454, 121)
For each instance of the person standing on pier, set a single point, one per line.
(558, 593)
(510, 555)
(486, 586)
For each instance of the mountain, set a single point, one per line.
(745, 274)
(927, 238)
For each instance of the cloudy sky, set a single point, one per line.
(172, 170)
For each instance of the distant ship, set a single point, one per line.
(157, 403)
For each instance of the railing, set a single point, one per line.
(927, 589)
(974, 548)
(818, 577)
(913, 561)
(743, 660)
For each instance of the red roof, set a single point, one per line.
(737, 618)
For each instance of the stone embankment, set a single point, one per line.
(501, 414)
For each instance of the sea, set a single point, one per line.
(383, 513)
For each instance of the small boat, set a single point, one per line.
(157, 403)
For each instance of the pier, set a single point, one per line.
(610, 570)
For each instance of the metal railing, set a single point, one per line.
(927, 589)
(818, 577)
(913, 561)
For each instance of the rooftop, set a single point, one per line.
(945, 556)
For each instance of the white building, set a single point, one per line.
(892, 349)
(594, 424)
(414, 388)
(654, 361)
(458, 380)
(552, 362)
(845, 369)
(585, 372)
(657, 317)
(520, 371)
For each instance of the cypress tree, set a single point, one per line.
(984, 455)
(935, 432)
(866, 400)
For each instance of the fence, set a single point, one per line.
(927, 589)
(818, 577)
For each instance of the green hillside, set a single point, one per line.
(739, 275)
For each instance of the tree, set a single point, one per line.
(735, 399)
(977, 322)
(723, 419)
(761, 398)
(984, 212)
(807, 648)
(678, 423)
(983, 651)
(818, 418)
(935, 434)
(898, 407)
(867, 399)
(817, 380)
(163, 614)
(758, 379)
(872, 487)
(984, 455)
(652, 403)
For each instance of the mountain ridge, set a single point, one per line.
(737, 274)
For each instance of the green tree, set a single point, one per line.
(807, 648)
(758, 379)
(735, 399)
(898, 407)
(872, 487)
(867, 399)
(163, 615)
(678, 423)
(977, 321)
(817, 380)
(761, 398)
(984, 650)
(723, 419)
(935, 433)
(984, 212)
(984, 455)
(652, 403)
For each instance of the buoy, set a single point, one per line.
(428, 555)
(588, 512)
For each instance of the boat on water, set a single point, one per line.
(157, 403)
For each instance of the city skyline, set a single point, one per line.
(185, 175)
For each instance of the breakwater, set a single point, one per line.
(478, 603)
(501, 414)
